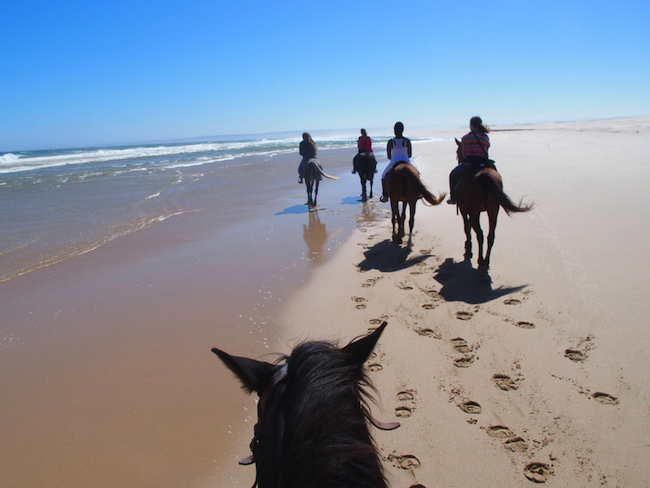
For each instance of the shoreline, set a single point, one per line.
(121, 336)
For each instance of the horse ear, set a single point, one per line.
(254, 375)
(457, 142)
(360, 349)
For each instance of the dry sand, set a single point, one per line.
(554, 353)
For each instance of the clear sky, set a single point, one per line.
(88, 73)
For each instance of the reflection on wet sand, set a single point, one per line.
(370, 212)
(315, 235)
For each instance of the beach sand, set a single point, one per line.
(569, 276)
(108, 378)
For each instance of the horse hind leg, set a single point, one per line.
(402, 220)
(370, 184)
(395, 220)
(411, 222)
(476, 225)
(468, 237)
(492, 217)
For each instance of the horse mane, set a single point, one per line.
(325, 403)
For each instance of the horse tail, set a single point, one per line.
(426, 194)
(504, 200)
(319, 171)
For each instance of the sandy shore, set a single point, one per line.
(568, 280)
(108, 379)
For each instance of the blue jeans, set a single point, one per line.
(455, 177)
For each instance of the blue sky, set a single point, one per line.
(80, 73)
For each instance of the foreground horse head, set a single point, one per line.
(313, 173)
(365, 165)
(481, 190)
(313, 414)
(404, 185)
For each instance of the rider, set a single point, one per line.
(398, 150)
(307, 150)
(474, 151)
(364, 144)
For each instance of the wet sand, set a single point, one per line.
(108, 378)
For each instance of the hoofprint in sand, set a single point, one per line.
(540, 376)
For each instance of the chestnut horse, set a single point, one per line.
(366, 165)
(313, 173)
(313, 416)
(481, 190)
(404, 185)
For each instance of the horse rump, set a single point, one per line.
(365, 164)
(413, 178)
(492, 188)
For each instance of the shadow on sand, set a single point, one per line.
(460, 283)
(387, 258)
(294, 210)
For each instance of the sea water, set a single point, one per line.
(58, 204)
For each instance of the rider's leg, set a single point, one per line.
(454, 178)
(384, 191)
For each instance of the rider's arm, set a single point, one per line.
(389, 148)
(408, 147)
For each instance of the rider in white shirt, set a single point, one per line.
(398, 150)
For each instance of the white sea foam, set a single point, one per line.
(174, 155)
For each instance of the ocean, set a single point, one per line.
(58, 204)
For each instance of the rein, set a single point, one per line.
(277, 377)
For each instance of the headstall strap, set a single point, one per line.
(278, 376)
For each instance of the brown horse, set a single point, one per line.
(313, 173)
(481, 190)
(313, 416)
(404, 186)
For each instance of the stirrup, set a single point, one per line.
(383, 199)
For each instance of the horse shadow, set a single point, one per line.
(388, 258)
(294, 210)
(352, 200)
(459, 284)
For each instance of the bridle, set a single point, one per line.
(277, 377)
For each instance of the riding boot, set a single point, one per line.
(384, 191)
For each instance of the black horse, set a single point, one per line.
(313, 173)
(313, 414)
(366, 165)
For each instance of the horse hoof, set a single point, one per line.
(483, 275)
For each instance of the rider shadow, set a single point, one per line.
(459, 284)
(387, 258)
